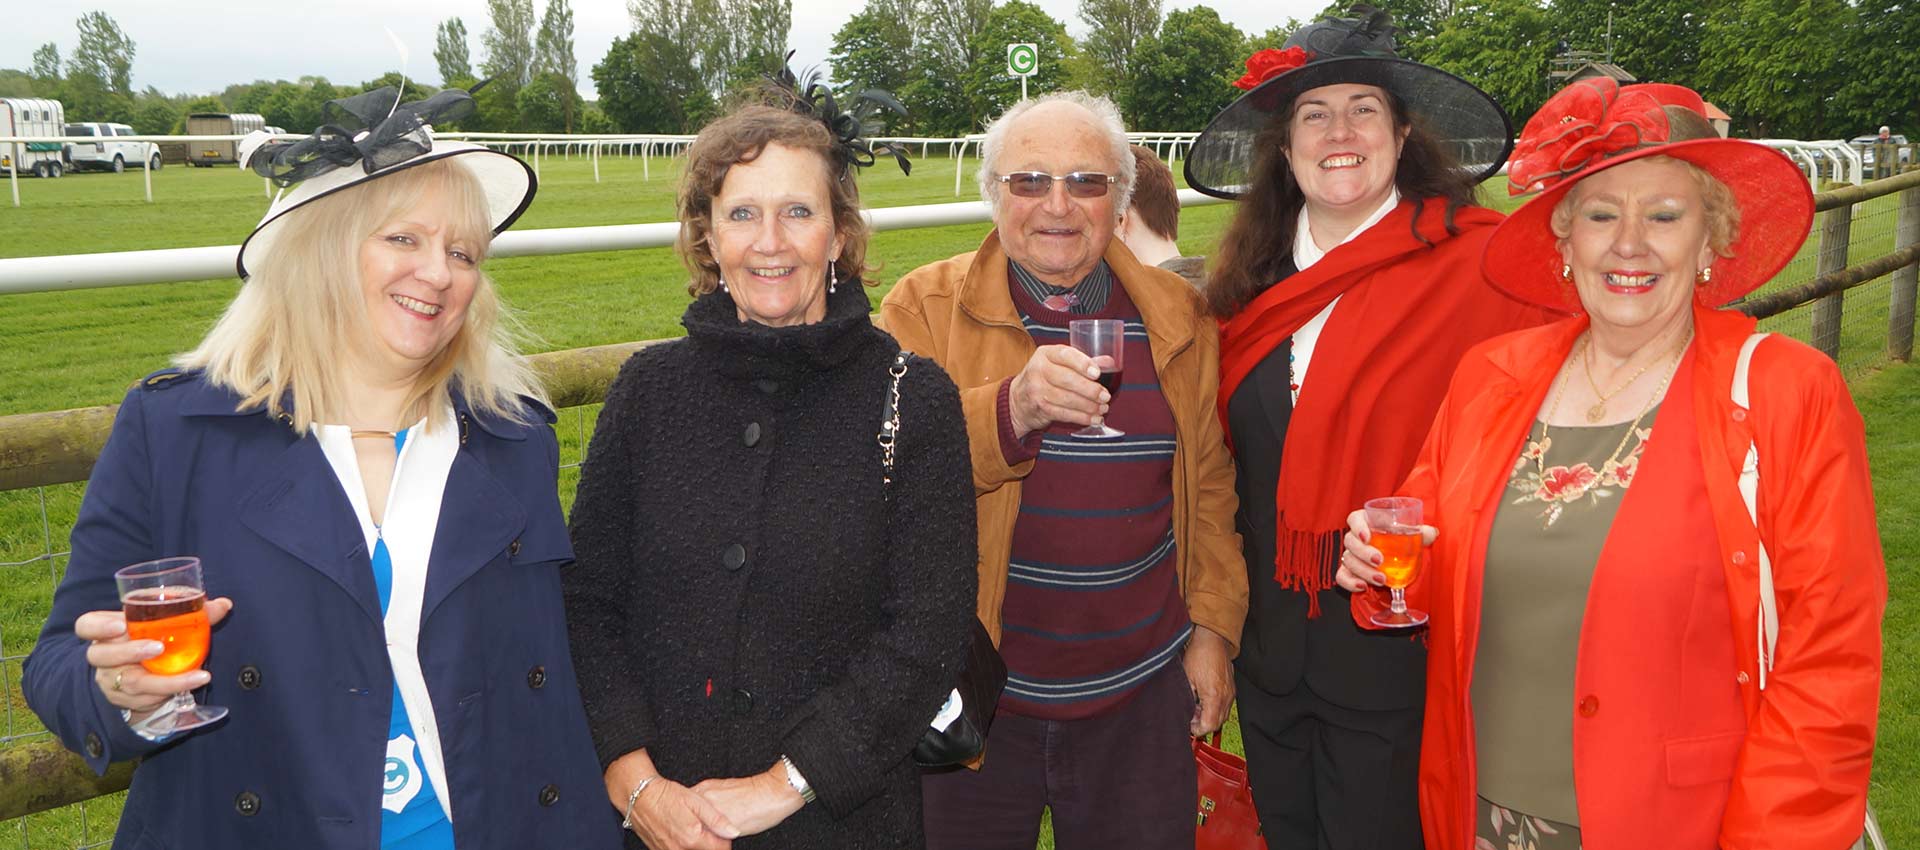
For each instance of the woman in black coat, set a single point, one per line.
(763, 626)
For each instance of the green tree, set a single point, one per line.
(46, 63)
(594, 121)
(313, 98)
(760, 32)
(104, 53)
(553, 56)
(154, 115)
(1774, 64)
(872, 50)
(450, 51)
(1656, 40)
(936, 99)
(16, 83)
(1882, 83)
(646, 86)
(410, 89)
(509, 42)
(990, 89)
(1184, 75)
(1502, 46)
(950, 40)
(546, 103)
(1116, 30)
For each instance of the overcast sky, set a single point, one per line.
(199, 46)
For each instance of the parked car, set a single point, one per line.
(206, 154)
(110, 153)
(1868, 144)
(32, 116)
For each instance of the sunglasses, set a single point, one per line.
(1036, 184)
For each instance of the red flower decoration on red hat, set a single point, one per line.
(1270, 63)
(1583, 124)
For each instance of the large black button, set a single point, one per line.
(537, 677)
(735, 557)
(752, 435)
(249, 677)
(247, 804)
(550, 794)
(742, 701)
(94, 748)
(514, 547)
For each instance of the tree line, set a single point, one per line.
(1782, 68)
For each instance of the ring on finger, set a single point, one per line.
(116, 680)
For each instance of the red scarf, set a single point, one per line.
(1380, 369)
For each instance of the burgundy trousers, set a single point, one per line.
(1121, 779)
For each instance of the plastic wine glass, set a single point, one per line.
(1395, 524)
(1104, 340)
(165, 601)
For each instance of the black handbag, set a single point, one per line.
(963, 735)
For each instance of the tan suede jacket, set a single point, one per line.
(959, 313)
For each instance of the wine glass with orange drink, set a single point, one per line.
(165, 601)
(1395, 531)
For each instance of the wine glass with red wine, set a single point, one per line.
(1104, 340)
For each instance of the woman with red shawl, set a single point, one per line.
(1657, 590)
(1347, 288)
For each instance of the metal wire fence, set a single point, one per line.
(35, 522)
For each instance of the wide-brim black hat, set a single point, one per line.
(1464, 120)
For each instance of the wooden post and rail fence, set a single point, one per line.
(60, 447)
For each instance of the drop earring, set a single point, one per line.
(1566, 273)
(723, 284)
(833, 277)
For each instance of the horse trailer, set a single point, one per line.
(32, 116)
(206, 154)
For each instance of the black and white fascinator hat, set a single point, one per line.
(369, 136)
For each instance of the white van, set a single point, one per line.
(32, 116)
(109, 154)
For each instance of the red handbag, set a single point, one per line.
(1226, 819)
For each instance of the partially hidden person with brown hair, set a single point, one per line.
(1150, 227)
(1109, 571)
(764, 624)
(366, 471)
(1626, 650)
(1347, 287)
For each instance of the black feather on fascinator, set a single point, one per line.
(852, 128)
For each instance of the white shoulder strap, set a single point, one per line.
(1768, 633)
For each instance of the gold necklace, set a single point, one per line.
(1540, 460)
(1599, 409)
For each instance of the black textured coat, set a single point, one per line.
(747, 586)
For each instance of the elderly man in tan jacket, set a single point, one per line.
(1103, 561)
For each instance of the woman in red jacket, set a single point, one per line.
(1605, 664)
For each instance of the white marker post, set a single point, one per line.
(1023, 61)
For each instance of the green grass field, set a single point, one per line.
(72, 349)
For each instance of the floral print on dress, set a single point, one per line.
(1511, 830)
(1556, 487)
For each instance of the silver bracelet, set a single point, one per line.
(627, 821)
(797, 782)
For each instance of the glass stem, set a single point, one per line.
(1399, 600)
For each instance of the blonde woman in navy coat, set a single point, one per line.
(367, 473)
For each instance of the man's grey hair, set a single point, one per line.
(1106, 116)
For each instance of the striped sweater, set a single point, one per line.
(1093, 605)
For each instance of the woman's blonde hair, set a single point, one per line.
(284, 338)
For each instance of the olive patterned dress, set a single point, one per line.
(1566, 487)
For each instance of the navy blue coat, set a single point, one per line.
(301, 661)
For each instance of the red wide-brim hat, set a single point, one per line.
(1575, 136)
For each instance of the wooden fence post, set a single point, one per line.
(1906, 232)
(1834, 235)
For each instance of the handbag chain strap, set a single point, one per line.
(890, 419)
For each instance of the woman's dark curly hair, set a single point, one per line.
(1259, 241)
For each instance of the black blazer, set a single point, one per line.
(1280, 647)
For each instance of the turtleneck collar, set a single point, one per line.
(750, 350)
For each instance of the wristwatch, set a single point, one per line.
(797, 782)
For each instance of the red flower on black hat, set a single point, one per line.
(1270, 63)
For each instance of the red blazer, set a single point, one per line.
(1657, 765)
